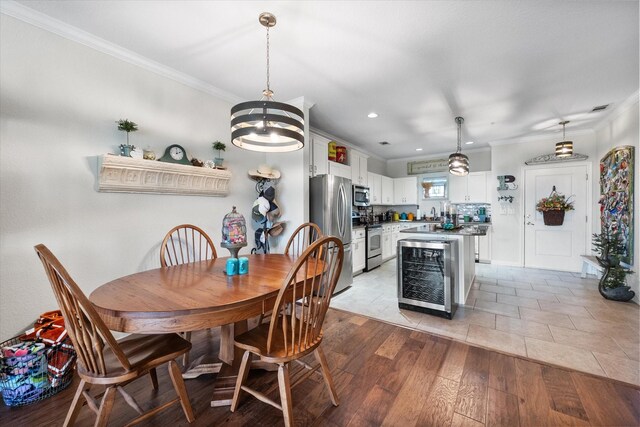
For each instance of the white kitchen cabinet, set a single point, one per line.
(405, 191)
(358, 168)
(338, 169)
(483, 247)
(375, 188)
(359, 254)
(395, 236)
(387, 242)
(319, 155)
(387, 190)
(469, 189)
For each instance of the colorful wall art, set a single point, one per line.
(616, 196)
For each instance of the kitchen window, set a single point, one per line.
(433, 187)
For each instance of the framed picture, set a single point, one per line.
(616, 196)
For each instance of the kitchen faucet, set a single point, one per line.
(433, 212)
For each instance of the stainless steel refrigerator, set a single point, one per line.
(330, 208)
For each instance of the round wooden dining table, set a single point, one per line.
(195, 296)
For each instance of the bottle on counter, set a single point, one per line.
(418, 215)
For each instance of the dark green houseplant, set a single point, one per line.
(127, 126)
(218, 146)
(610, 248)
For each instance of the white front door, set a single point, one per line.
(556, 247)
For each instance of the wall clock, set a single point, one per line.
(175, 154)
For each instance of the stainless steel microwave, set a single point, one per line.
(360, 196)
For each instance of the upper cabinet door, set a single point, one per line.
(358, 168)
(457, 189)
(363, 171)
(387, 190)
(374, 182)
(320, 155)
(405, 191)
(411, 190)
(477, 187)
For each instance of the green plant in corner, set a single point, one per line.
(218, 146)
(610, 248)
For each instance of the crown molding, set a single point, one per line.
(617, 111)
(46, 22)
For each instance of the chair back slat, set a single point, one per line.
(310, 282)
(301, 238)
(184, 244)
(89, 334)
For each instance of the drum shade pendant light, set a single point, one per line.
(458, 162)
(564, 148)
(266, 125)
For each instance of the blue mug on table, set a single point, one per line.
(243, 265)
(232, 266)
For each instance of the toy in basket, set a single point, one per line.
(38, 363)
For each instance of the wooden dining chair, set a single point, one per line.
(302, 237)
(294, 333)
(103, 360)
(186, 243)
(183, 244)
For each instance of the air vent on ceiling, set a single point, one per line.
(600, 108)
(383, 142)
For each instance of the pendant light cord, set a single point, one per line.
(459, 145)
(268, 76)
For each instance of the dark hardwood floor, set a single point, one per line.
(385, 375)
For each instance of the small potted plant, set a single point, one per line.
(127, 126)
(554, 207)
(218, 146)
(610, 248)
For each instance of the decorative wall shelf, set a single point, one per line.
(127, 175)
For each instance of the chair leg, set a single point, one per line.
(242, 377)
(285, 394)
(326, 374)
(154, 378)
(105, 406)
(185, 358)
(76, 406)
(178, 383)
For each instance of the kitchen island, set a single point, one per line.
(466, 251)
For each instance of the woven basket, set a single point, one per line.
(553, 217)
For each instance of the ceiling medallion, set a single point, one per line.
(458, 162)
(266, 125)
(564, 148)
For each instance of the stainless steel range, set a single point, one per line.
(427, 279)
(373, 246)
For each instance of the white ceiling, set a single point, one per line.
(512, 69)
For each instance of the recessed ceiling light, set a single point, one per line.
(418, 149)
(469, 142)
(372, 115)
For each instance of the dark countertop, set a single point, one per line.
(423, 229)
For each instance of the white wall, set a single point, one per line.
(623, 129)
(59, 104)
(508, 159)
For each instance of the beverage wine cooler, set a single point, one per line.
(427, 276)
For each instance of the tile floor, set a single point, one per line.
(550, 316)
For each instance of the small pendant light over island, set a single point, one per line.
(458, 162)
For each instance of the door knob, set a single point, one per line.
(530, 223)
